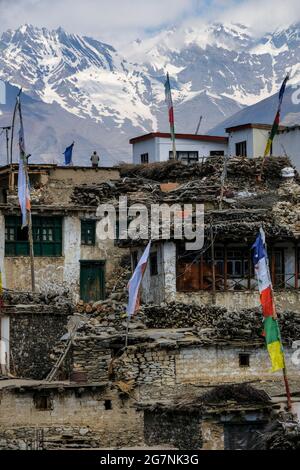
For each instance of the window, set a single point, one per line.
(144, 158)
(216, 153)
(153, 264)
(241, 149)
(42, 402)
(107, 405)
(88, 232)
(186, 157)
(232, 269)
(237, 261)
(244, 360)
(46, 232)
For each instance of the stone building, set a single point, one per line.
(67, 254)
(195, 373)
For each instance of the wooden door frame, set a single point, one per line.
(101, 263)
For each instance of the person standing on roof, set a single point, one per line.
(95, 159)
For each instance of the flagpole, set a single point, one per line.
(29, 217)
(287, 388)
(31, 252)
(275, 126)
(284, 370)
(134, 286)
(11, 182)
(169, 102)
(127, 330)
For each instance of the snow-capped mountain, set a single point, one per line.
(84, 90)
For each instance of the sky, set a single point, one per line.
(116, 21)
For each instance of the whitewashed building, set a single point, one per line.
(287, 142)
(248, 140)
(157, 147)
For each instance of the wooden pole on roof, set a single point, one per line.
(29, 217)
(213, 264)
(11, 175)
(223, 179)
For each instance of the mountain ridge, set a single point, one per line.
(215, 72)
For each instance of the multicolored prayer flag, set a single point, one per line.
(271, 327)
(277, 118)
(169, 102)
(134, 283)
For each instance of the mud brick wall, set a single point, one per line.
(76, 419)
(180, 429)
(33, 335)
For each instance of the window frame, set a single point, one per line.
(144, 158)
(86, 238)
(49, 227)
(189, 160)
(216, 153)
(241, 148)
(243, 356)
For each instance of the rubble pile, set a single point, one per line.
(120, 276)
(282, 434)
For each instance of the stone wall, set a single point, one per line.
(154, 367)
(181, 429)
(77, 418)
(236, 300)
(91, 357)
(197, 364)
(34, 330)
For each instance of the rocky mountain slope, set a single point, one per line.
(84, 90)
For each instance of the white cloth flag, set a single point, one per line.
(134, 283)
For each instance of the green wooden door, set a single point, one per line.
(92, 280)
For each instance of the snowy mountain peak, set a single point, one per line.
(215, 71)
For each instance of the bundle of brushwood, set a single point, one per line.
(93, 195)
(238, 169)
(55, 299)
(217, 322)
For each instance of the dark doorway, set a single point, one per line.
(278, 275)
(92, 280)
